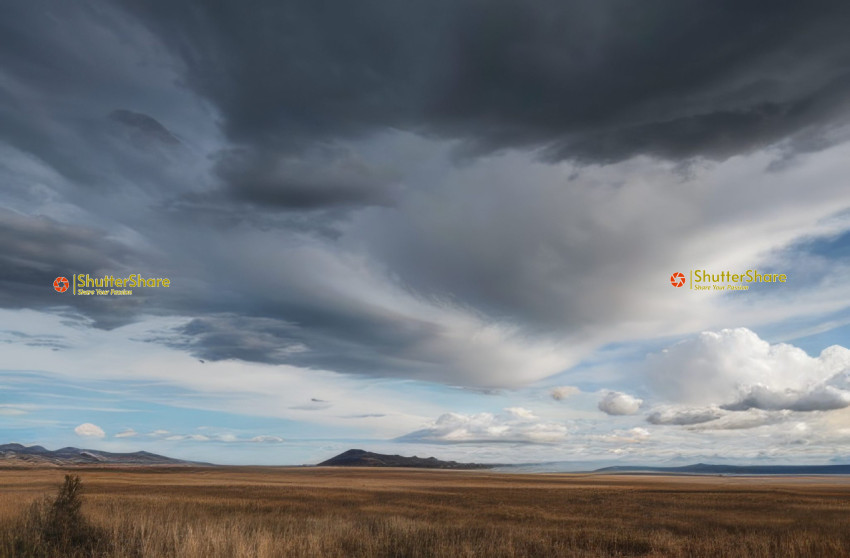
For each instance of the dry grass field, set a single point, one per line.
(272, 512)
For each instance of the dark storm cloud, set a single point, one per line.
(318, 337)
(229, 336)
(35, 251)
(60, 72)
(144, 126)
(717, 135)
(595, 81)
(312, 179)
(106, 125)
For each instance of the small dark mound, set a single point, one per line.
(363, 458)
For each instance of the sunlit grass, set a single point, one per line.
(256, 512)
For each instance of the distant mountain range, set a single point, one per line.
(17, 455)
(708, 469)
(362, 458)
(20, 455)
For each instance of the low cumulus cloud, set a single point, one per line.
(515, 424)
(743, 420)
(315, 404)
(634, 435)
(562, 392)
(818, 398)
(618, 403)
(129, 433)
(192, 437)
(227, 437)
(266, 439)
(89, 430)
(684, 416)
(716, 418)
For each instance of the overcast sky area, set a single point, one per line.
(438, 228)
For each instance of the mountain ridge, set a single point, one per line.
(15, 454)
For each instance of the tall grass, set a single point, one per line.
(274, 513)
(56, 527)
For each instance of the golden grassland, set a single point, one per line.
(270, 512)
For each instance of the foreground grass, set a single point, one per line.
(234, 512)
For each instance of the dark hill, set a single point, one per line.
(362, 458)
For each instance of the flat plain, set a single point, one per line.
(356, 512)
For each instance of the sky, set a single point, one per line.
(438, 228)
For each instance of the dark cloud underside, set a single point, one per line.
(599, 80)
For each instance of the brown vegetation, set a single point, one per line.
(265, 512)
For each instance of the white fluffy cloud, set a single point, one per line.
(516, 424)
(733, 380)
(737, 370)
(89, 430)
(618, 403)
(129, 433)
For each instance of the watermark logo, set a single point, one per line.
(83, 284)
(677, 279)
(702, 280)
(60, 284)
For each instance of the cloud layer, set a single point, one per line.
(481, 198)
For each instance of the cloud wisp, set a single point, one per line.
(514, 425)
